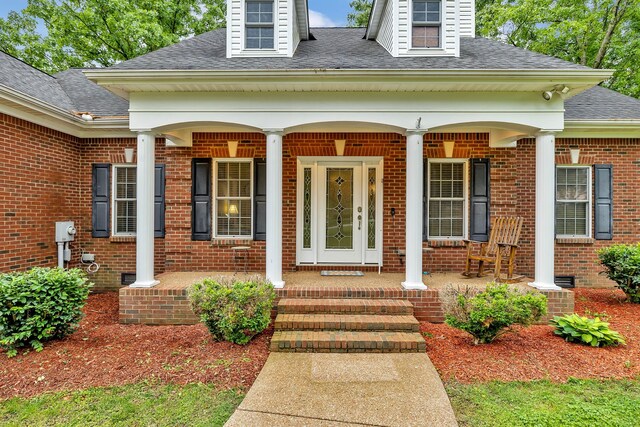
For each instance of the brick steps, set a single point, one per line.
(344, 322)
(347, 342)
(349, 325)
(344, 306)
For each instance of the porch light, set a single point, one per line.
(340, 143)
(233, 209)
(575, 155)
(448, 148)
(233, 148)
(128, 155)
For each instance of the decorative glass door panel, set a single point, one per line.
(341, 217)
(339, 208)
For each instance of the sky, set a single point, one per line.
(322, 13)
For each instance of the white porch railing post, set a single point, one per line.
(545, 212)
(274, 207)
(414, 196)
(144, 211)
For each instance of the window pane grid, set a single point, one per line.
(259, 25)
(125, 200)
(446, 200)
(572, 201)
(426, 24)
(234, 203)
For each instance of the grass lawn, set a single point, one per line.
(583, 403)
(143, 404)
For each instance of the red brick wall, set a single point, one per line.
(39, 173)
(115, 255)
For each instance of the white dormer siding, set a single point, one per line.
(467, 18)
(287, 31)
(438, 29)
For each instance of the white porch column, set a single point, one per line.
(545, 212)
(413, 226)
(274, 207)
(144, 211)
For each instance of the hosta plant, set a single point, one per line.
(622, 265)
(491, 313)
(233, 310)
(584, 330)
(40, 305)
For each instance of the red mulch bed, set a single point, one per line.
(536, 353)
(104, 353)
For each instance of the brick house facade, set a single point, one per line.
(61, 178)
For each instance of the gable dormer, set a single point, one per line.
(266, 27)
(421, 27)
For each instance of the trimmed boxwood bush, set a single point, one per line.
(622, 265)
(583, 330)
(488, 314)
(233, 310)
(40, 305)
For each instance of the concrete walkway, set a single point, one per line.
(327, 390)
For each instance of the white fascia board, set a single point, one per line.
(122, 81)
(25, 107)
(601, 129)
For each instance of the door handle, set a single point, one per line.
(359, 221)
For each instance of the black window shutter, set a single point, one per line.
(425, 201)
(260, 200)
(604, 202)
(480, 200)
(159, 204)
(201, 199)
(100, 202)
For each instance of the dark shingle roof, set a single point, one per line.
(339, 48)
(30, 81)
(89, 97)
(599, 103)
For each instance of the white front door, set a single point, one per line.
(340, 214)
(339, 211)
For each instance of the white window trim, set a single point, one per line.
(589, 225)
(465, 209)
(440, 46)
(214, 194)
(244, 30)
(113, 199)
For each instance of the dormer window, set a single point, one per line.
(426, 24)
(259, 25)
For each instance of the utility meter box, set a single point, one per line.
(65, 231)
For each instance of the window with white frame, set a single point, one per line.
(573, 201)
(124, 200)
(259, 25)
(447, 199)
(233, 207)
(426, 23)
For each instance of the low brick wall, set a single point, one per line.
(156, 306)
(170, 305)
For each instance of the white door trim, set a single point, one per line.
(310, 255)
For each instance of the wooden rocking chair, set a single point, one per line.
(503, 242)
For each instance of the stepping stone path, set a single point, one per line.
(346, 325)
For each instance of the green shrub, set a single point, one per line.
(593, 332)
(489, 314)
(622, 265)
(233, 310)
(39, 305)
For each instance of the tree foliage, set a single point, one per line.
(359, 17)
(594, 33)
(54, 35)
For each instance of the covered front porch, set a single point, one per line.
(167, 303)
